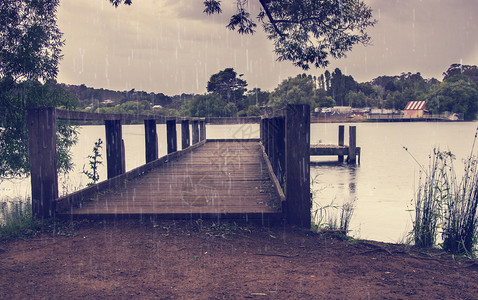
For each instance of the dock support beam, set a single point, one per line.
(42, 151)
(202, 131)
(297, 148)
(151, 139)
(171, 136)
(114, 148)
(351, 159)
(185, 139)
(195, 131)
(341, 141)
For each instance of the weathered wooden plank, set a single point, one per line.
(341, 142)
(184, 187)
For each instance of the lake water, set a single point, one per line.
(383, 184)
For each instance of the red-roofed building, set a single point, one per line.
(414, 109)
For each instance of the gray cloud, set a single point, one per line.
(172, 47)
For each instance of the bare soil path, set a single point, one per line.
(203, 260)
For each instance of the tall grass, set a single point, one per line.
(16, 219)
(428, 200)
(442, 197)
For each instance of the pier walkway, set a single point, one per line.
(226, 179)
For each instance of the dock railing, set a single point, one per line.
(285, 138)
(43, 159)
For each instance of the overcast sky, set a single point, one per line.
(171, 46)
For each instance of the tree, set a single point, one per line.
(30, 40)
(297, 90)
(456, 69)
(305, 32)
(29, 55)
(457, 94)
(208, 105)
(340, 86)
(227, 84)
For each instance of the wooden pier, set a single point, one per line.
(351, 151)
(220, 179)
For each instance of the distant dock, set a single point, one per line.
(351, 151)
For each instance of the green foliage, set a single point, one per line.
(253, 111)
(230, 110)
(129, 107)
(459, 69)
(358, 99)
(95, 161)
(15, 100)
(30, 41)
(208, 105)
(257, 97)
(297, 90)
(457, 94)
(340, 86)
(227, 84)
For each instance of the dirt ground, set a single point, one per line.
(204, 260)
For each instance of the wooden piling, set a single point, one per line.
(195, 131)
(43, 164)
(185, 139)
(297, 147)
(341, 141)
(352, 145)
(171, 136)
(202, 130)
(151, 140)
(114, 148)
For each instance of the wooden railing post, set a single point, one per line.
(171, 136)
(43, 164)
(195, 131)
(151, 139)
(352, 145)
(114, 148)
(297, 148)
(202, 130)
(185, 139)
(279, 146)
(341, 141)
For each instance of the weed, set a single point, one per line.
(95, 161)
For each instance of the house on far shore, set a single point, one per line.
(414, 109)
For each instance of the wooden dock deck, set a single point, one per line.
(226, 179)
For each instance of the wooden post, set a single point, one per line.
(341, 141)
(151, 138)
(280, 149)
(43, 164)
(185, 139)
(352, 145)
(202, 130)
(114, 148)
(195, 131)
(171, 136)
(297, 148)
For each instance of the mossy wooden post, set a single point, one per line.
(352, 145)
(341, 141)
(185, 138)
(114, 148)
(297, 148)
(42, 151)
(195, 131)
(202, 130)
(151, 139)
(171, 136)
